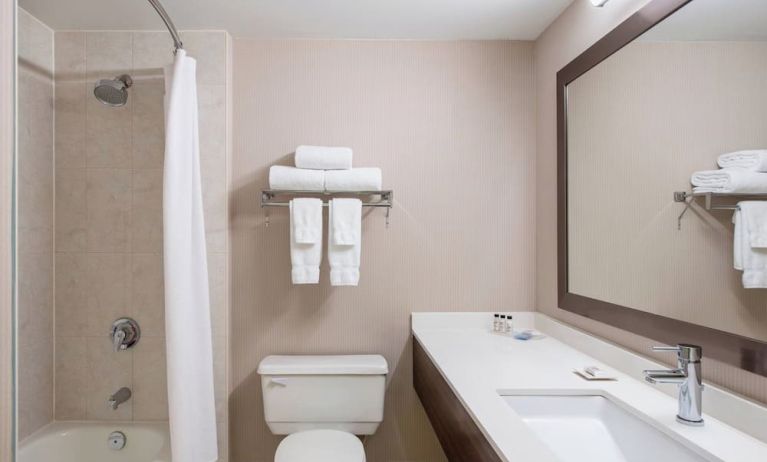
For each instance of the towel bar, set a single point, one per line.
(683, 196)
(384, 198)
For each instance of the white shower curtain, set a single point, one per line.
(191, 402)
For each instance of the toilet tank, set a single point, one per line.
(323, 392)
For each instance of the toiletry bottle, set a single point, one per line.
(509, 324)
(496, 322)
(502, 324)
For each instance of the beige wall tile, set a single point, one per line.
(109, 202)
(148, 123)
(35, 341)
(71, 210)
(70, 123)
(147, 295)
(71, 294)
(147, 210)
(72, 379)
(70, 57)
(34, 245)
(152, 51)
(107, 291)
(108, 54)
(209, 49)
(108, 134)
(108, 371)
(35, 43)
(150, 389)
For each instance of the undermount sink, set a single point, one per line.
(595, 428)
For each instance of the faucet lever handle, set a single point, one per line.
(665, 348)
(118, 339)
(685, 351)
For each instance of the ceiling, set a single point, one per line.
(714, 20)
(372, 19)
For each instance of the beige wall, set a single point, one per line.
(7, 155)
(627, 160)
(109, 165)
(452, 126)
(574, 31)
(35, 224)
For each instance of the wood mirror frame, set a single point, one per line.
(743, 352)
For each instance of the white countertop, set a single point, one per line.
(481, 366)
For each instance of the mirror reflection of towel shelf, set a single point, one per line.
(281, 198)
(689, 197)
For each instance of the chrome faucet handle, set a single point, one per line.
(685, 351)
(117, 340)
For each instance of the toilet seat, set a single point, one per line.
(320, 446)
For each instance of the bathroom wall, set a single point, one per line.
(35, 224)
(573, 32)
(452, 126)
(109, 169)
(619, 144)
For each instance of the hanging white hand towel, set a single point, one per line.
(305, 240)
(344, 241)
(189, 351)
(752, 260)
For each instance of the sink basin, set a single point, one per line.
(595, 428)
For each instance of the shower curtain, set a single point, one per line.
(191, 402)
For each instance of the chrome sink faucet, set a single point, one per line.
(688, 376)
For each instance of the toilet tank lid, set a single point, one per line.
(324, 365)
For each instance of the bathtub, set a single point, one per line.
(88, 442)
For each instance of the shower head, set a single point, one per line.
(113, 92)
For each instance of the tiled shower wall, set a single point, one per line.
(35, 224)
(109, 170)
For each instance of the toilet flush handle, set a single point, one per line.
(281, 381)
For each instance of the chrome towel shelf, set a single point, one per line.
(689, 197)
(281, 198)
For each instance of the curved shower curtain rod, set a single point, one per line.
(169, 24)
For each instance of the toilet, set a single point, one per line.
(321, 403)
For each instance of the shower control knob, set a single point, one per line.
(125, 333)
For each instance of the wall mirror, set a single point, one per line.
(660, 97)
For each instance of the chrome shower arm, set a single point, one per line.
(168, 23)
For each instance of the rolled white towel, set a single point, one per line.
(754, 160)
(356, 179)
(284, 178)
(729, 180)
(323, 158)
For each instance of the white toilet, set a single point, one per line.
(322, 402)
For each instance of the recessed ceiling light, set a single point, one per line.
(599, 3)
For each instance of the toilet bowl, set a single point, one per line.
(322, 403)
(320, 446)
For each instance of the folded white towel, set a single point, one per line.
(356, 179)
(729, 180)
(306, 257)
(323, 158)
(344, 241)
(282, 177)
(751, 260)
(755, 160)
